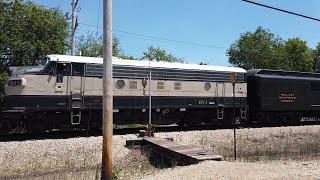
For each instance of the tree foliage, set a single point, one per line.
(29, 31)
(316, 58)
(159, 54)
(262, 49)
(298, 56)
(91, 45)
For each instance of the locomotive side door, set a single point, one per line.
(220, 93)
(76, 92)
(62, 72)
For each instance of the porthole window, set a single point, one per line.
(120, 84)
(207, 86)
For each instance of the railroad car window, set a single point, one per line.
(77, 69)
(120, 84)
(63, 68)
(315, 85)
(207, 86)
(177, 86)
(133, 85)
(160, 85)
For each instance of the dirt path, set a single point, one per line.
(242, 170)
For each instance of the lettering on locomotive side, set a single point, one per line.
(287, 97)
(202, 101)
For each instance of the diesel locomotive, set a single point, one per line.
(67, 93)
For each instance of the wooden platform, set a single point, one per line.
(182, 154)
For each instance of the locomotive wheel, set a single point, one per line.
(37, 124)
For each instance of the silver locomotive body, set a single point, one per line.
(67, 93)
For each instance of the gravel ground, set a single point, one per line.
(242, 170)
(44, 156)
(83, 156)
(256, 143)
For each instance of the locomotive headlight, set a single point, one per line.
(17, 82)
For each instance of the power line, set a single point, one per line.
(160, 38)
(282, 10)
(98, 17)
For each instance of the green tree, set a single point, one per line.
(3, 79)
(91, 45)
(260, 49)
(316, 58)
(299, 56)
(159, 54)
(28, 32)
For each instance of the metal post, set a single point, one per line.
(73, 26)
(106, 169)
(234, 124)
(149, 94)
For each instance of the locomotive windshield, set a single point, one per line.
(50, 67)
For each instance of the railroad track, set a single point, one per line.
(83, 133)
(120, 131)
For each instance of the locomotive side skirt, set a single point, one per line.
(40, 103)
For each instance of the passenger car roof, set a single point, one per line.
(267, 73)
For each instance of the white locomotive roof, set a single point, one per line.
(144, 63)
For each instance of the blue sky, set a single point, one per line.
(212, 22)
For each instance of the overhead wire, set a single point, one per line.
(98, 18)
(160, 38)
(282, 10)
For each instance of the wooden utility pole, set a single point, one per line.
(233, 80)
(74, 25)
(106, 171)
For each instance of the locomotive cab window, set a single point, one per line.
(63, 68)
(77, 69)
(50, 68)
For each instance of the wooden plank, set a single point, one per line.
(178, 151)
